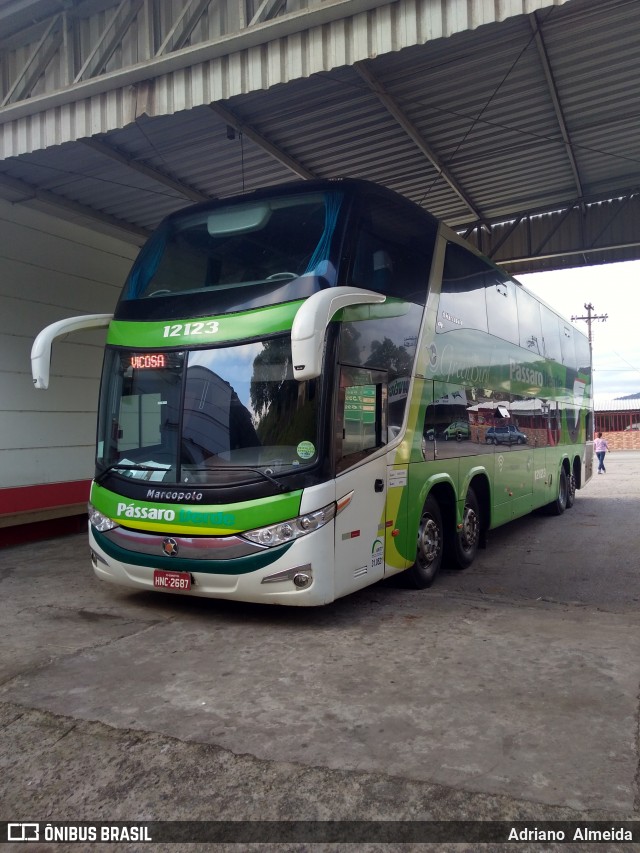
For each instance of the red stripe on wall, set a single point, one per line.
(26, 498)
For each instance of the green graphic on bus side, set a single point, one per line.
(192, 518)
(472, 358)
(462, 359)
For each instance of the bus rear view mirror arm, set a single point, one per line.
(311, 321)
(41, 349)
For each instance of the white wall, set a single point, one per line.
(51, 269)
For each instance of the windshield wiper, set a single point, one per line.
(279, 486)
(126, 467)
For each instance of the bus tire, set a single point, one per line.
(466, 541)
(571, 491)
(558, 506)
(430, 546)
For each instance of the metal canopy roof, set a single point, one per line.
(521, 133)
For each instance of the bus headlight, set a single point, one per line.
(98, 520)
(293, 528)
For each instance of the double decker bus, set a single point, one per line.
(312, 387)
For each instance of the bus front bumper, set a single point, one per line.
(299, 573)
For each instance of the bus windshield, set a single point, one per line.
(256, 247)
(208, 416)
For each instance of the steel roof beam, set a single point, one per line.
(570, 253)
(16, 6)
(506, 236)
(197, 11)
(414, 134)
(625, 203)
(260, 140)
(575, 246)
(22, 13)
(31, 70)
(266, 10)
(555, 99)
(161, 177)
(556, 225)
(98, 58)
(64, 207)
(148, 69)
(549, 209)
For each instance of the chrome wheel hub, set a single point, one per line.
(429, 543)
(470, 528)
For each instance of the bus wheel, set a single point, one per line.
(571, 491)
(558, 506)
(467, 540)
(430, 546)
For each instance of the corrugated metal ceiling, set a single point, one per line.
(479, 100)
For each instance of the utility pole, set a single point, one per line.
(590, 318)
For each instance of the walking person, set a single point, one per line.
(600, 446)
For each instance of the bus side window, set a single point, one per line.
(529, 322)
(550, 334)
(589, 425)
(502, 312)
(374, 267)
(394, 249)
(523, 425)
(567, 346)
(362, 416)
(428, 440)
(386, 344)
(382, 271)
(583, 355)
(583, 381)
(462, 303)
(459, 420)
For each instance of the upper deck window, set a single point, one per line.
(393, 249)
(244, 254)
(462, 300)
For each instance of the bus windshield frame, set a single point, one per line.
(208, 417)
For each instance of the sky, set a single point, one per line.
(612, 289)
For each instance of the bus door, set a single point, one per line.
(359, 435)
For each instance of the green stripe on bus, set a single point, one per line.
(203, 330)
(193, 519)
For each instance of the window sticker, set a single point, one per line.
(306, 449)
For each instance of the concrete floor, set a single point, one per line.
(506, 692)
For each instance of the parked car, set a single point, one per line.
(632, 426)
(457, 430)
(505, 435)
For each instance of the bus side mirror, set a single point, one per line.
(311, 321)
(41, 349)
(502, 412)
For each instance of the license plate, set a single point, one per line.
(172, 581)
